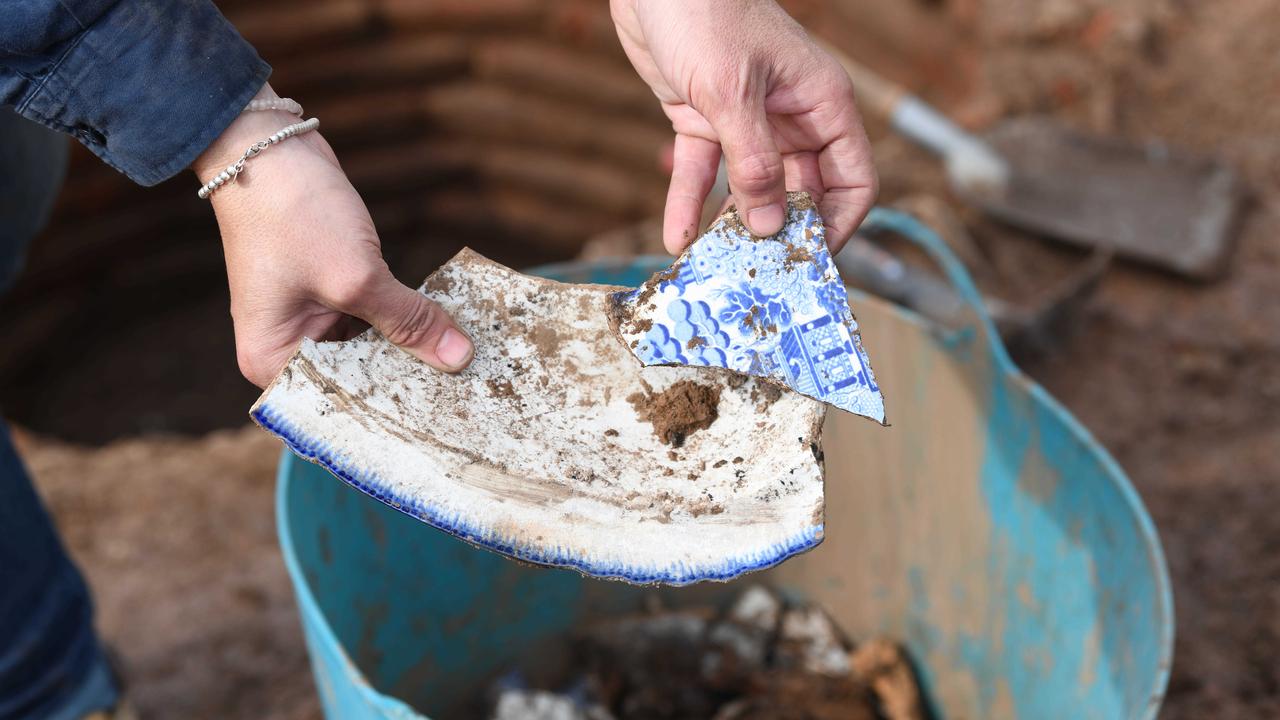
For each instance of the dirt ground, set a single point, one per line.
(178, 540)
(1179, 380)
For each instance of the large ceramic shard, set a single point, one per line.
(555, 446)
(771, 307)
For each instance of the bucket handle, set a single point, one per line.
(882, 221)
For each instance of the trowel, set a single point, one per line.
(1146, 201)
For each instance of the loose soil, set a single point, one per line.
(177, 539)
(679, 411)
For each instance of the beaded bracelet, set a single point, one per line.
(286, 104)
(233, 171)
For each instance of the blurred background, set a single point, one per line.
(517, 128)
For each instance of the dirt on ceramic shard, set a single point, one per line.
(679, 411)
(555, 441)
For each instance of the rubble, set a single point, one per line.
(515, 704)
(757, 607)
(762, 658)
(809, 639)
(886, 667)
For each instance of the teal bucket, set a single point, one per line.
(986, 530)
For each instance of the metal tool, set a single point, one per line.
(1147, 201)
(1025, 329)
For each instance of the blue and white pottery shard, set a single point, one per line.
(771, 307)
(547, 447)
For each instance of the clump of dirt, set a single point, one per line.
(679, 411)
(733, 223)
(885, 666)
(796, 255)
(616, 311)
(800, 201)
(502, 388)
(621, 311)
(438, 282)
(765, 394)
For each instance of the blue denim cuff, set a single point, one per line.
(149, 85)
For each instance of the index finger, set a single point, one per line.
(848, 176)
(693, 173)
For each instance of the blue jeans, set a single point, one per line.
(52, 666)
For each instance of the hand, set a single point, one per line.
(742, 77)
(303, 259)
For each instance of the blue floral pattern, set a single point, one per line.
(772, 307)
(754, 309)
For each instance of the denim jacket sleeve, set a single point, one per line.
(145, 84)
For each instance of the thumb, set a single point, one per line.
(756, 173)
(418, 325)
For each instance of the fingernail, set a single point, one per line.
(454, 349)
(765, 221)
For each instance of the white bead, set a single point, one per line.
(285, 104)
